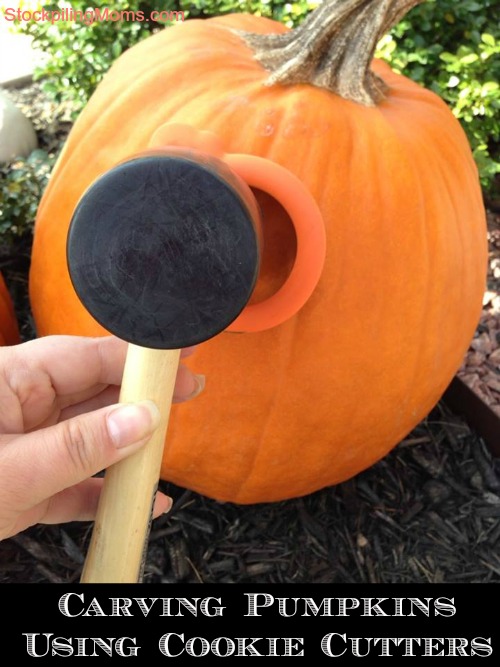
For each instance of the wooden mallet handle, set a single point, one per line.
(163, 251)
(121, 529)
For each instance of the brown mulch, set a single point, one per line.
(428, 512)
(481, 368)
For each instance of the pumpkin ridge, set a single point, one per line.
(465, 272)
(452, 152)
(423, 337)
(379, 138)
(419, 345)
(247, 482)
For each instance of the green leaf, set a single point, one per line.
(488, 39)
(116, 49)
(469, 58)
(490, 87)
(473, 6)
(447, 57)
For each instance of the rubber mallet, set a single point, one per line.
(163, 251)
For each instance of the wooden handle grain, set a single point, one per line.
(119, 540)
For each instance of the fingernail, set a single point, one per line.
(133, 422)
(200, 385)
(168, 507)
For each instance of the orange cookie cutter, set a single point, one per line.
(293, 196)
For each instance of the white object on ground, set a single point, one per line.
(17, 134)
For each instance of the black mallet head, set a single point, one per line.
(163, 250)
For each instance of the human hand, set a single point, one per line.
(60, 425)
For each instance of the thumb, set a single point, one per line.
(44, 462)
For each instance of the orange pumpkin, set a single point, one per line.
(9, 329)
(319, 398)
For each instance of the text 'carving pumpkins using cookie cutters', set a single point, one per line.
(164, 252)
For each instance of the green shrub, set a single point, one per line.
(453, 48)
(22, 183)
(79, 53)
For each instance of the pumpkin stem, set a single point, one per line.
(333, 48)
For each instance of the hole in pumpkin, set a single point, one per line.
(279, 246)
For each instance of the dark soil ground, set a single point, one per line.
(428, 513)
